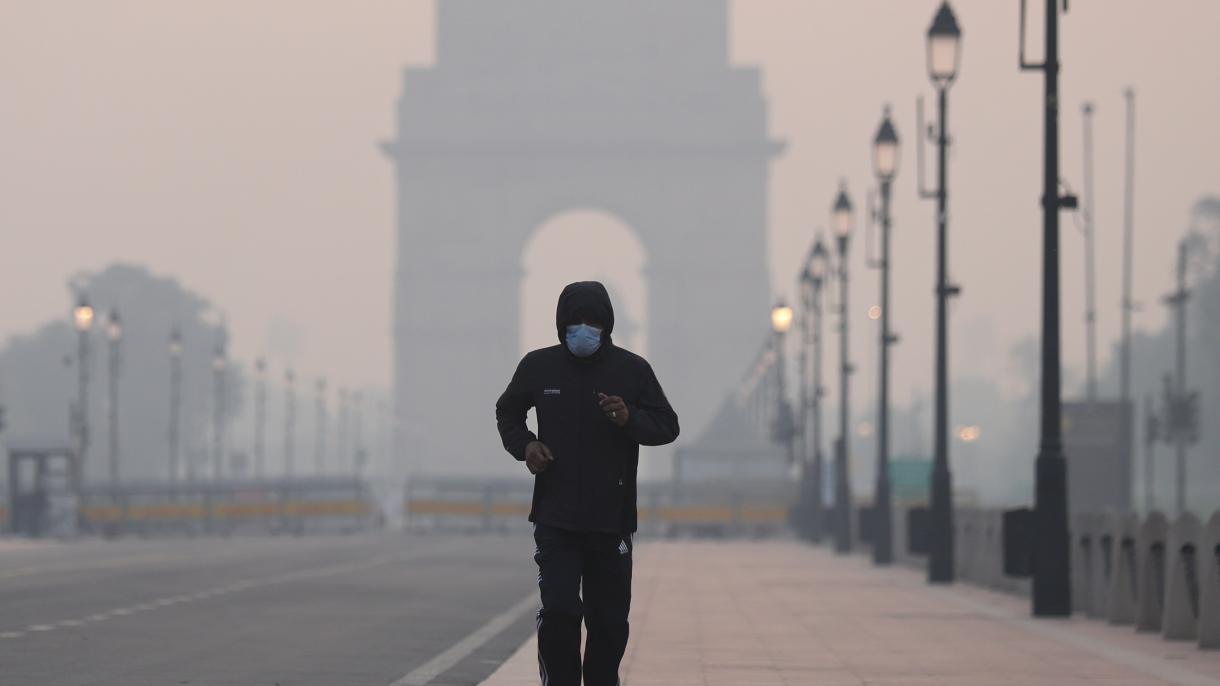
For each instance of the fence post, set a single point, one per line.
(1122, 599)
(1081, 560)
(1151, 558)
(1182, 583)
(1209, 584)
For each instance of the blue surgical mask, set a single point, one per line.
(583, 340)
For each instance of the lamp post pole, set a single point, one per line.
(175, 402)
(260, 418)
(114, 336)
(290, 420)
(944, 41)
(82, 316)
(320, 437)
(885, 161)
(1090, 284)
(1128, 305)
(783, 424)
(219, 362)
(843, 505)
(817, 279)
(1052, 593)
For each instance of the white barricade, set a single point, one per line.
(1150, 555)
(1209, 584)
(1121, 602)
(1181, 621)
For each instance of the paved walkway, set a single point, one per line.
(782, 613)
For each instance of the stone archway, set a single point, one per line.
(535, 107)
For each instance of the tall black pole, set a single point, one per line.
(883, 544)
(805, 522)
(218, 407)
(941, 543)
(1090, 245)
(175, 403)
(1178, 301)
(1128, 305)
(320, 436)
(1052, 594)
(260, 418)
(819, 510)
(290, 420)
(114, 337)
(843, 505)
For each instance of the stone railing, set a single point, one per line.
(1148, 573)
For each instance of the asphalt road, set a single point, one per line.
(328, 611)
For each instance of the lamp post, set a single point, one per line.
(114, 336)
(813, 279)
(290, 420)
(783, 425)
(1090, 279)
(82, 320)
(885, 165)
(219, 363)
(359, 455)
(260, 418)
(841, 220)
(320, 437)
(1052, 593)
(175, 401)
(944, 54)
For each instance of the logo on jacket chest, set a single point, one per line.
(550, 391)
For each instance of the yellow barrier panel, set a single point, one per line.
(99, 514)
(163, 512)
(510, 509)
(309, 508)
(444, 507)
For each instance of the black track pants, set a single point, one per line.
(601, 563)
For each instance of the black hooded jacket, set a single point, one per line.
(591, 484)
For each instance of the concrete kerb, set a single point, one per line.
(1150, 555)
(1181, 620)
(1209, 584)
(1123, 590)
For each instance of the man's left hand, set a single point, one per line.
(614, 408)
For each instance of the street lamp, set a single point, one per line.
(114, 336)
(783, 428)
(290, 420)
(1052, 593)
(944, 55)
(320, 447)
(817, 269)
(219, 363)
(82, 319)
(885, 163)
(260, 418)
(842, 221)
(175, 400)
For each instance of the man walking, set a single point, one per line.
(596, 405)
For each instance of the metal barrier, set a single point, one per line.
(666, 509)
(1181, 620)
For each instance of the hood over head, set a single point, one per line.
(584, 300)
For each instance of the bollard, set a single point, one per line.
(1102, 566)
(1150, 556)
(1122, 591)
(1081, 560)
(1182, 583)
(1209, 584)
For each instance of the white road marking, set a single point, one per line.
(241, 586)
(433, 668)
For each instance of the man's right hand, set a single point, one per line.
(538, 457)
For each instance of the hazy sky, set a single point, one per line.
(233, 144)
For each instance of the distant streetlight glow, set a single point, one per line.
(864, 429)
(969, 434)
(841, 215)
(944, 47)
(82, 315)
(781, 318)
(114, 327)
(874, 312)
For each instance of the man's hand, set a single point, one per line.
(538, 457)
(614, 408)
